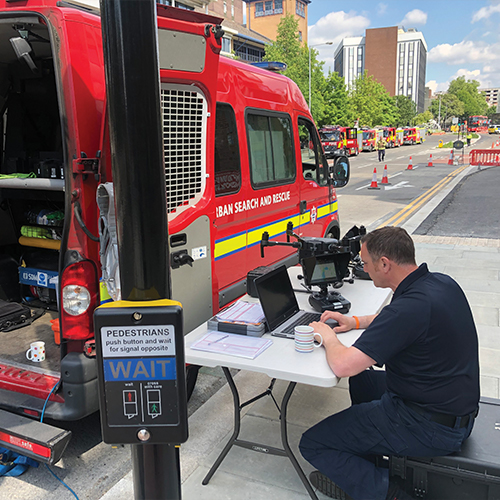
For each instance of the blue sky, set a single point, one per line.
(463, 36)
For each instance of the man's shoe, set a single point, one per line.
(326, 486)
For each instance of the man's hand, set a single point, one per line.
(326, 332)
(346, 323)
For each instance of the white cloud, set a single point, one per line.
(333, 28)
(381, 8)
(337, 25)
(437, 87)
(414, 17)
(464, 52)
(485, 12)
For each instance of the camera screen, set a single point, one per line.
(324, 271)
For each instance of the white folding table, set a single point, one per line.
(281, 361)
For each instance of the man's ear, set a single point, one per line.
(385, 264)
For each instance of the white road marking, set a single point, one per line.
(402, 184)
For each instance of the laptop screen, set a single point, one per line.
(276, 296)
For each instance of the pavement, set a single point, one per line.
(245, 474)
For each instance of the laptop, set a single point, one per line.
(279, 303)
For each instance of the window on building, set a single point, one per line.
(225, 7)
(248, 52)
(300, 35)
(179, 5)
(226, 45)
(270, 148)
(300, 8)
(227, 154)
(268, 8)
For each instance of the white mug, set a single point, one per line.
(304, 339)
(36, 352)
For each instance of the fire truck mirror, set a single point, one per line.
(340, 171)
(141, 372)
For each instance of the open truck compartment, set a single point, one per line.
(32, 224)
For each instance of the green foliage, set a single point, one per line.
(288, 49)
(451, 105)
(338, 110)
(371, 103)
(492, 110)
(467, 92)
(423, 118)
(407, 110)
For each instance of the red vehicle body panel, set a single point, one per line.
(236, 220)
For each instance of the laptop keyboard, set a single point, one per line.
(304, 319)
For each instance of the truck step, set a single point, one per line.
(33, 439)
(28, 382)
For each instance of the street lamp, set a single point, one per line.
(310, 47)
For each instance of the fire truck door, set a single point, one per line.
(190, 261)
(314, 173)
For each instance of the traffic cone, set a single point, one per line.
(374, 184)
(430, 161)
(410, 165)
(385, 179)
(492, 145)
(450, 159)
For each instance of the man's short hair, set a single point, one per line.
(391, 242)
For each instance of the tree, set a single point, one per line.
(407, 110)
(338, 110)
(422, 118)
(371, 103)
(492, 110)
(288, 49)
(451, 105)
(467, 92)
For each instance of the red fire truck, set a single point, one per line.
(369, 139)
(390, 137)
(242, 156)
(409, 135)
(335, 138)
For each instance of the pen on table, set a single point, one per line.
(218, 340)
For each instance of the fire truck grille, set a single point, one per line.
(184, 114)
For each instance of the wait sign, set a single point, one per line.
(142, 388)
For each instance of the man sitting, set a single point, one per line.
(424, 403)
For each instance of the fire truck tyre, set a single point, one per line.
(372, 148)
(345, 151)
(191, 378)
(356, 152)
(333, 232)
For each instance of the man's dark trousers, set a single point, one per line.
(344, 445)
(381, 154)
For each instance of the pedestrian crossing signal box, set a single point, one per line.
(141, 369)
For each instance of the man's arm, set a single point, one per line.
(344, 361)
(347, 323)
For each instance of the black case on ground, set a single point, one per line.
(472, 474)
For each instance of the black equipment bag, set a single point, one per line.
(471, 474)
(14, 315)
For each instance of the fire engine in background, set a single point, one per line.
(336, 138)
(390, 137)
(242, 156)
(477, 124)
(369, 140)
(399, 136)
(414, 135)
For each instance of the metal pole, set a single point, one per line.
(129, 29)
(439, 113)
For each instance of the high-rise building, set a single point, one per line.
(264, 16)
(491, 96)
(395, 57)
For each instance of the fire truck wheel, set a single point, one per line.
(191, 378)
(356, 153)
(333, 232)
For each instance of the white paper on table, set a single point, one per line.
(242, 312)
(232, 344)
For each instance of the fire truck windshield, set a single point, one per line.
(367, 135)
(407, 132)
(333, 135)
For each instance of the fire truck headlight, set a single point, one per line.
(76, 299)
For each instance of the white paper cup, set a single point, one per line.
(304, 339)
(36, 352)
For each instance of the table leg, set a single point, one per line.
(286, 446)
(236, 431)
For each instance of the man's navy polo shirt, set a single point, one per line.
(427, 340)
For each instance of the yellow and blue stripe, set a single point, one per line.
(224, 247)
